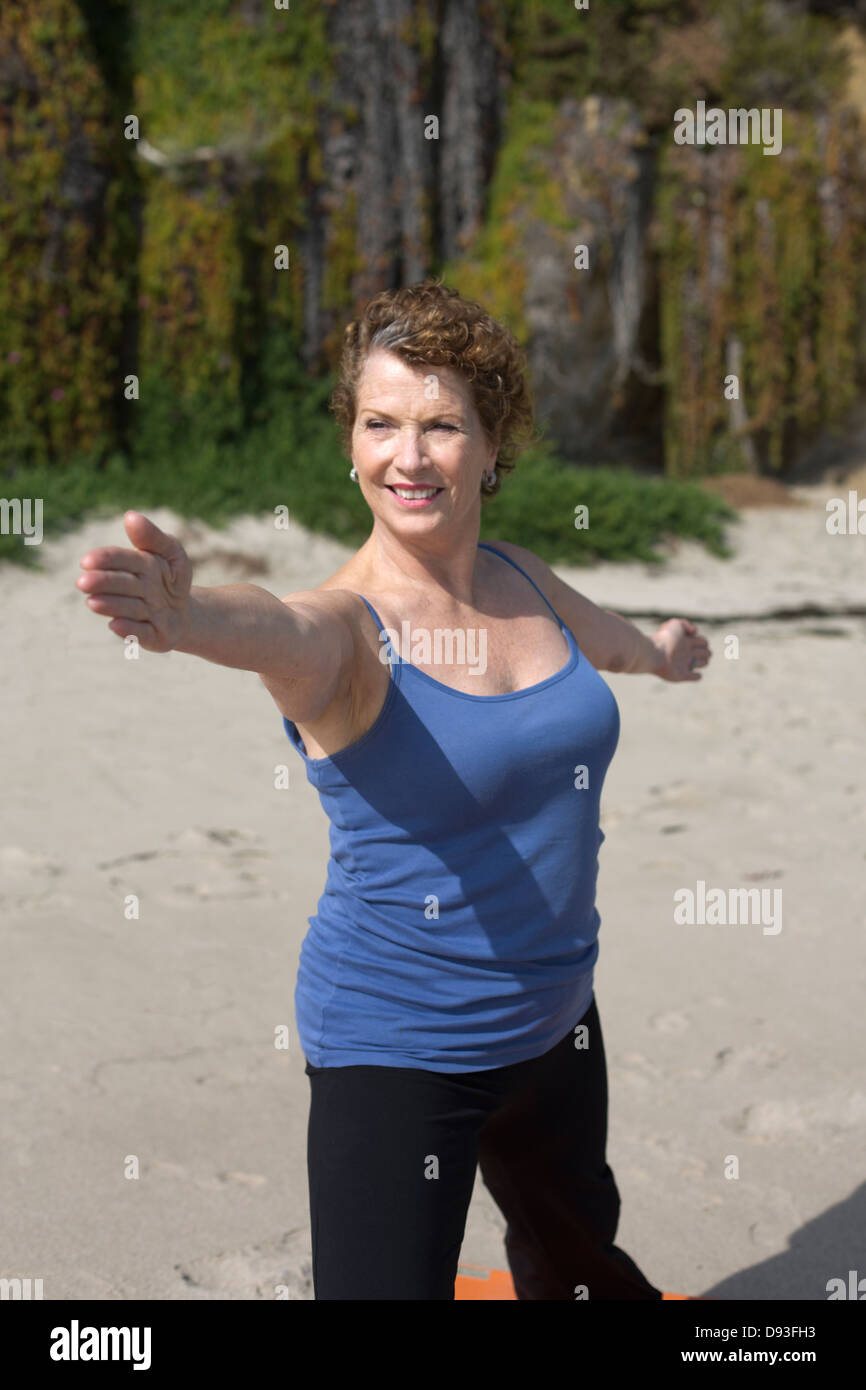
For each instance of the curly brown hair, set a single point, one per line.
(430, 323)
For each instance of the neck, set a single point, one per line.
(444, 562)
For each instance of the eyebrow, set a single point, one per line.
(437, 415)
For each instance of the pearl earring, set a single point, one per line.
(354, 474)
(489, 478)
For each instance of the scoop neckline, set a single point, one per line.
(571, 641)
(569, 666)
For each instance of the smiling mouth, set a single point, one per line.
(412, 494)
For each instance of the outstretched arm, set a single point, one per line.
(302, 649)
(611, 643)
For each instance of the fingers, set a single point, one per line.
(691, 631)
(147, 536)
(116, 594)
(114, 557)
(119, 607)
(126, 627)
(109, 582)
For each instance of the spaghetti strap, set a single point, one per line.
(380, 625)
(488, 546)
(377, 620)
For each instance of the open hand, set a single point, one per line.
(144, 591)
(683, 650)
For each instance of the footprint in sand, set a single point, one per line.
(735, 1058)
(635, 1070)
(211, 1182)
(273, 1269)
(22, 864)
(220, 860)
(770, 1120)
(32, 877)
(671, 1022)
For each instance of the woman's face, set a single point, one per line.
(416, 428)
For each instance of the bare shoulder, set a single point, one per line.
(519, 553)
(324, 599)
(331, 642)
(537, 569)
(596, 631)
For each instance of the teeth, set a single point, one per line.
(412, 493)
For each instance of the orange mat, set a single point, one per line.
(474, 1281)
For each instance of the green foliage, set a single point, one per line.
(63, 247)
(174, 268)
(190, 269)
(618, 48)
(664, 54)
(628, 515)
(788, 290)
(777, 58)
(252, 90)
(520, 186)
(208, 73)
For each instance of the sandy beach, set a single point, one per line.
(148, 1040)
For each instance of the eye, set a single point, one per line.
(437, 425)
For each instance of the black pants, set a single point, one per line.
(392, 1155)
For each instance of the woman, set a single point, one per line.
(445, 699)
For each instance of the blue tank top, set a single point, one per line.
(457, 929)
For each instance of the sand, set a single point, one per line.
(147, 1044)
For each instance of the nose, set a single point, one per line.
(408, 454)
